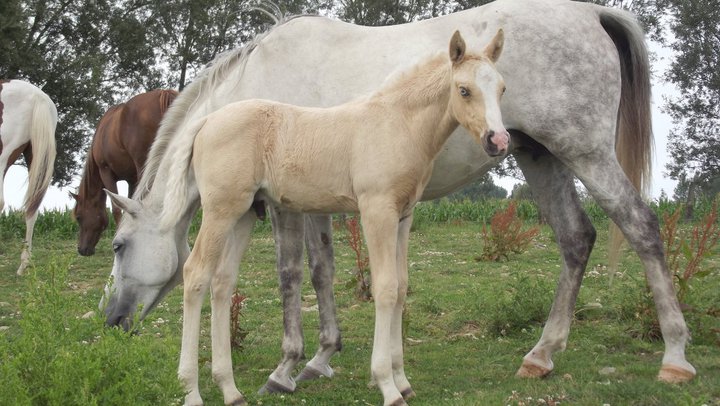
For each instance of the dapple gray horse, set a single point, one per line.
(578, 89)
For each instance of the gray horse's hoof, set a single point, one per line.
(408, 394)
(309, 373)
(272, 386)
(399, 402)
(238, 402)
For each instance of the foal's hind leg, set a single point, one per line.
(607, 183)
(288, 232)
(318, 239)
(553, 189)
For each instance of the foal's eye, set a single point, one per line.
(464, 92)
(503, 91)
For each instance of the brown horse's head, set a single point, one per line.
(92, 218)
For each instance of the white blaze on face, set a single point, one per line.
(490, 83)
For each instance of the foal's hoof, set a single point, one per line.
(673, 374)
(272, 386)
(309, 373)
(408, 394)
(531, 370)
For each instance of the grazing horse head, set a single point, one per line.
(477, 87)
(146, 264)
(92, 219)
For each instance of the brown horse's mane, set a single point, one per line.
(200, 89)
(91, 173)
(166, 98)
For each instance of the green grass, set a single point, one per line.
(469, 325)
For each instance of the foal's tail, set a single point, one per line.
(42, 142)
(179, 175)
(634, 137)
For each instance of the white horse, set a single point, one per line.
(578, 91)
(373, 156)
(27, 126)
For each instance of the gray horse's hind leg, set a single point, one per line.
(288, 231)
(606, 182)
(553, 188)
(318, 239)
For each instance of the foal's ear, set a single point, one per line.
(457, 48)
(495, 47)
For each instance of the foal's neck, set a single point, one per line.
(421, 95)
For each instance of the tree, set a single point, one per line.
(74, 50)
(89, 54)
(695, 138)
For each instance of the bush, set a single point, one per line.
(505, 235)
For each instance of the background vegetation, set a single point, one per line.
(468, 324)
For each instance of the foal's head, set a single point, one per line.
(476, 90)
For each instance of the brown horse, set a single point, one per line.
(118, 152)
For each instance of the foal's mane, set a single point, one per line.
(200, 89)
(425, 80)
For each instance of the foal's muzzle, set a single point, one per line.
(496, 143)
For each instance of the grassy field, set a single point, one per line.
(469, 325)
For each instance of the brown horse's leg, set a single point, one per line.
(109, 181)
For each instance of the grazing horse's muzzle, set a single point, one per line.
(86, 251)
(496, 143)
(118, 314)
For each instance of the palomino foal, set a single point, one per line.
(373, 155)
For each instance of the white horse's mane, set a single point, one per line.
(202, 89)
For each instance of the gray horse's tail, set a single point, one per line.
(634, 138)
(178, 181)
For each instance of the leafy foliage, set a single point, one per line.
(506, 235)
(686, 251)
(362, 261)
(57, 357)
(237, 332)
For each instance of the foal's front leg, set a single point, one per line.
(223, 283)
(198, 272)
(380, 226)
(403, 239)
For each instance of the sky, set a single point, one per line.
(59, 199)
